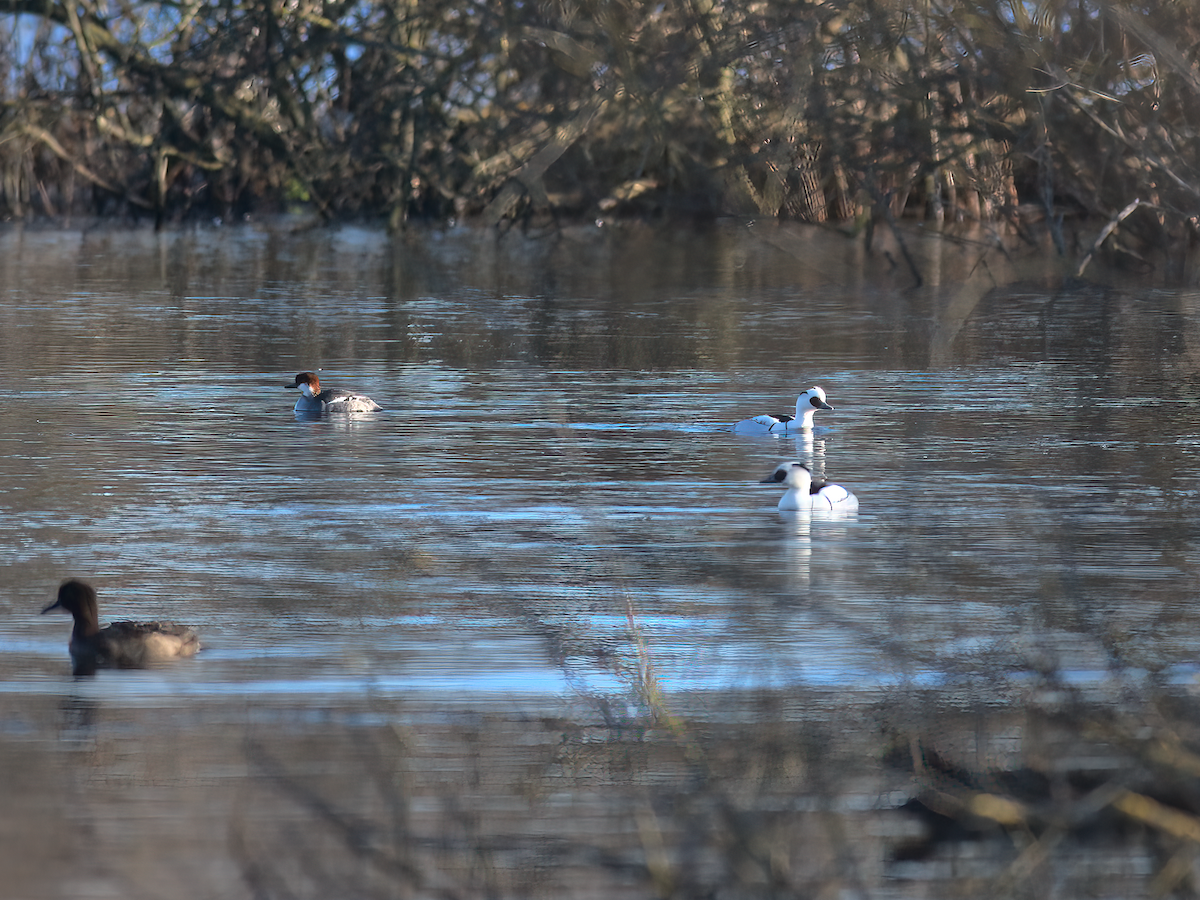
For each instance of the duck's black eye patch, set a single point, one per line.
(814, 402)
(780, 474)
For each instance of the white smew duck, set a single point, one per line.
(806, 495)
(806, 406)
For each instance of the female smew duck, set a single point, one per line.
(315, 401)
(806, 495)
(121, 645)
(807, 405)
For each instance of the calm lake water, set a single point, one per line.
(551, 509)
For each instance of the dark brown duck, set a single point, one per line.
(121, 645)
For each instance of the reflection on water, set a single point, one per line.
(551, 515)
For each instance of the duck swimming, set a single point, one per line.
(121, 645)
(806, 495)
(316, 401)
(806, 406)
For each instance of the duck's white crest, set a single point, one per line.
(807, 405)
(805, 495)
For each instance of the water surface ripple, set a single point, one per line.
(551, 498)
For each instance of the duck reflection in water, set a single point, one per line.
(811, 452)
(797, 547)
(121, 645)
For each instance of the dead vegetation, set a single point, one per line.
(1008, 780)
(755, 794)
(848, 111)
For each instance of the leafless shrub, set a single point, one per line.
(836, 111)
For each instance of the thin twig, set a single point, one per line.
(1105, 232)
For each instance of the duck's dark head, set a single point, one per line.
(309, 378)
(79, 599)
